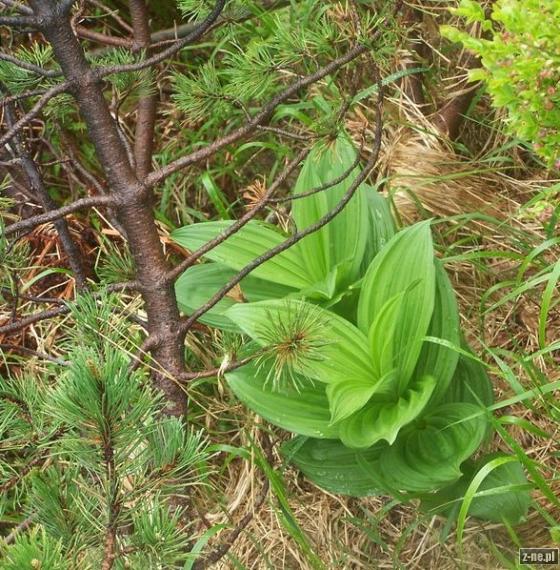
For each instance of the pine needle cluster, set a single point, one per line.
(90, 464)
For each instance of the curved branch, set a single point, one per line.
(14, 21)
(236, 226)
(21, 8)
(38, 70)
(202, 28)
(53, 215)
(22, 95)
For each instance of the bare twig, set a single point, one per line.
(30, 66)
(21, 527)
(35, 110)
(190, 376)
(245, 219)
(31, 352)
(21, 8)
(37, 187)
(196, 34)
(20, 96)
(18, 21)
(103, 38)
(53, 215)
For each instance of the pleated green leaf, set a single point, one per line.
(383, 420)
(304, 410)
(197, 285)
(429, 455)
(381, 224)
(470, 382)
(404, 266)
(336, 468)
(348, 396)
(251, 241)
(330, 348)
(382, 336)
(343, 240)
(437, 359)
(503, 496)
(200, 282)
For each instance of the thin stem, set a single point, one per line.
(245, 219)
(197, 33)
(37, 187)
(53, 215)
(30, 66)
(35, 110)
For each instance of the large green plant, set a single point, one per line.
(355, 332)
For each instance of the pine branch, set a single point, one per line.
(250, 126)
(49, 94)
(10, 328)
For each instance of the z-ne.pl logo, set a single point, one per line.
(539, 555)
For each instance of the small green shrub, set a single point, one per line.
(520, 57)
(355, 334)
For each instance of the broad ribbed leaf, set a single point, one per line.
(251, 241)
(382, 224)
(334, 467)
(436, 359)
(344, 238)
(348, 396)
(383, 420)
(405, 265)
(339, 351)
(303, 411)
(501, 498)
(200, 282)
(197, 285)
(429, 455)
(382, 336)
(470, 383)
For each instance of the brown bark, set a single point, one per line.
(147, 105)
(134, 202)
